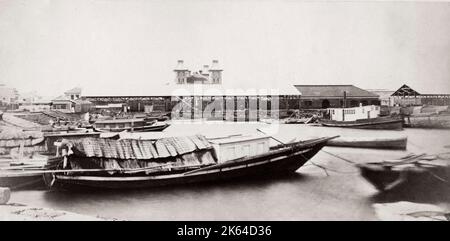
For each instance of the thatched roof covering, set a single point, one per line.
(137, 149)
(15, 138)
(20, 135)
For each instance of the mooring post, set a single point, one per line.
(5, 195)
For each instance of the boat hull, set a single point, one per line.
(22, 181)
(383, 143)
(428, 122)
(266, 165)
(413, 179)
(380, 123)
(136, 129)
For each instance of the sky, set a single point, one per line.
(130, 47)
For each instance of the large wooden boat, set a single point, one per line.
(414, 172)
(398, 143)
(129, 125)
(203, 161)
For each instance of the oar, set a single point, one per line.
(17, 173)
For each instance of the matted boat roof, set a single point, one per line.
(138, 149)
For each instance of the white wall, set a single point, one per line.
(34, 108)
(230, 151)
(356, 113)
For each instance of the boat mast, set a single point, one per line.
(344, 105)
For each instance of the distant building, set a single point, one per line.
(332, 96)
(386, 98)
(8, 95)
(28, 97)
(207, 75)
(31, 101)
(202, 94)
(73, 94)
(36, 106)
(406, 96)
(66, 105)
(63, 104)
(71, 102)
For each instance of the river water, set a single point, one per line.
(309, 194)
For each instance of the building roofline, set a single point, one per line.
(338, 97)
(327, 85)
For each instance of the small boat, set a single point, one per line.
(417, 172)
(26, 174)
(177, 160)
(147, 128)
(298, 120)
(158, 116)
(428, 121)
(398, 143)
(129, 125)
(363, 117)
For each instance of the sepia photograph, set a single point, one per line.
(224, 110)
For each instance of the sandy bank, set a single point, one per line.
(20, 212)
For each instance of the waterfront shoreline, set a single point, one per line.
(22, 212)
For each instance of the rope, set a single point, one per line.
(438, 177)
(344, 159)
(329, 169)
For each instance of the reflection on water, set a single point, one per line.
(308, 194)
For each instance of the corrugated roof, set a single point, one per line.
(333, 91)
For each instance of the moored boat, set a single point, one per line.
(129, 125)
(428, 121)
(299, 120)
(363, 117)
(178, 160)
(398, 143)
(26, 174)
(415, 173)
(21, 179)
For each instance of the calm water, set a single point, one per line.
(308, 194)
